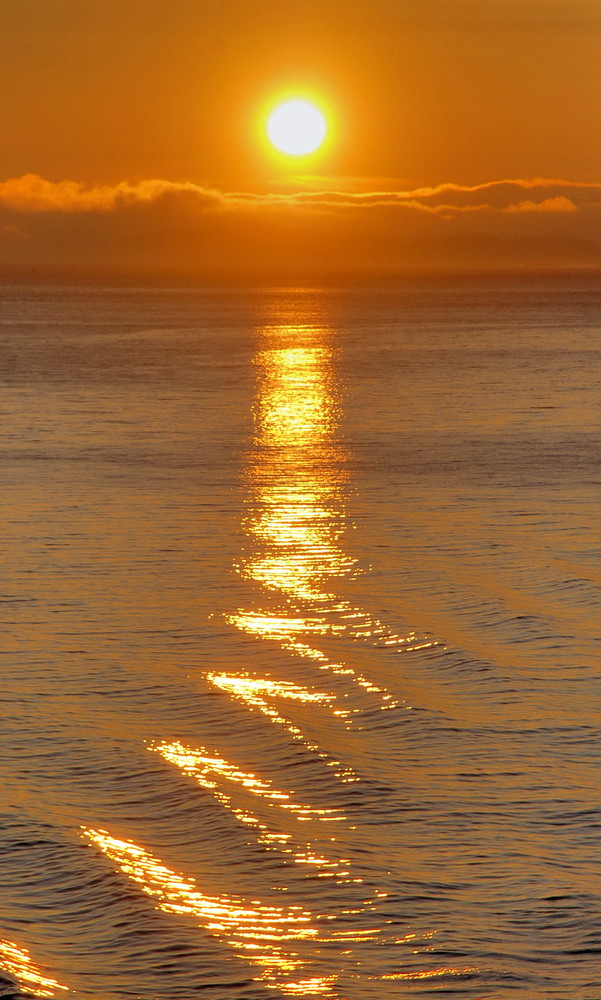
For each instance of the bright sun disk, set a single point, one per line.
(296, 128)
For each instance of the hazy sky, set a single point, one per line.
(460, 131)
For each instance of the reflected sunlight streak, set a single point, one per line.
(296, 525)
(258, 693)
(208, 768)
(297, 479)
(211, 772)
(258, 932)
(17, 962)
(248, 928)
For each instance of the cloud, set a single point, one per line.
(34, 194)
(560, 204)
(161, 226)
(524, 183)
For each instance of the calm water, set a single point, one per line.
(301, 643)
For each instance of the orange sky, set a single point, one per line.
(462, 132)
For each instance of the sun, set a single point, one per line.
(296, 128)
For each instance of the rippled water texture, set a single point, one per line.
(301, 643)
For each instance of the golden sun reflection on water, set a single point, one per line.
(208, 769)
(286, 631)
(260, 692)
(418, 974)
(297, 479)
(297, 406)
(267, 936)
(297, 952)
(295, 558)
(215, 774)
(17, 962)
(297, 473)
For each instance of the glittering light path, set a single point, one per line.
(297, 481)
(18, 963)
(264, 935)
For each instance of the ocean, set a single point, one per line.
(301, 644)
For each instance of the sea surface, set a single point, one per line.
(301, 641)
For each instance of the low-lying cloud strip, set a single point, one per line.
(34, 194)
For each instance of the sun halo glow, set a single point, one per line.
(296, 128)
